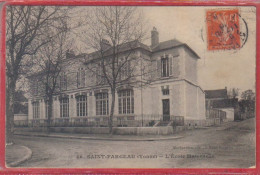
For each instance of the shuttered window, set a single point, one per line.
(165, 66)
(125, 71)
(81, 78)
(35, 87)
(63, 81)
(100, 78)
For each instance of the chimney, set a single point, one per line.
(154, 37)
(104, 45)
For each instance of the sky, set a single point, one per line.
(216, 69)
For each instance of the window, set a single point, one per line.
(165, 66)
(81, 78)
(125, 71)
(36, 110)
(35, 87)
(63, 81)
(64, 107)
(82, 106)
(165, 91)
(102, 104)
(126, 101)
(100, 78)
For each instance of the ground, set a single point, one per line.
(15, 152)
(231, 145)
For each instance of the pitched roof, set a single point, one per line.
(136, 44)
(170, 44)
(167, 44)
(124, 47)
(218, 93)
(225, 103)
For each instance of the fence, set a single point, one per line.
(21, 119)
(118, 121)
(216, 116)
(216, 113)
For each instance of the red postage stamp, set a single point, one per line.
(223, 29)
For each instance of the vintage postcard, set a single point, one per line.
(130, 86)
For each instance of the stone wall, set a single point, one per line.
(105, 130)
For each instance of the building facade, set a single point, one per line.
(164, 87)
(218, 100)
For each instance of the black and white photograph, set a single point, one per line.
(130, 86)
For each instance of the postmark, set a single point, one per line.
(223, 29)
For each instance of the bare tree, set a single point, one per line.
(25, 35)
(49, 63)
(233, 93)
(111, 31)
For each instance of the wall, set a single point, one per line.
(185, 99)
(56, 108)
(191, 102)
(195, 102)
(177, 99)
(190, 66)
(177, 61)
(20, 117)
(150, 106)
(201, 103)
(230, 113)
(152, 101)
(103, 130)
(30, 110)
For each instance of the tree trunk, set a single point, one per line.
(110, 122)
(10, 95)
(50, 102)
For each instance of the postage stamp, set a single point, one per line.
(223, 29)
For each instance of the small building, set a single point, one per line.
(172, 92)
(218, 99)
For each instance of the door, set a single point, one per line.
(166, 109)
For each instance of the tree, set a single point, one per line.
(49, 61)
(25, 35)
(20, 102)
(111, 30)
(247, 103)
(248, 95)
(233, 92)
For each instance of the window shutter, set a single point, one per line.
(65, 81)
(77, 79)
(129, 68)
(59, 82)
(159, 68)
(170, 65)
(83, 77)
(121, 69)
(97, 74)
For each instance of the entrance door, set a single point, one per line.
(166, 109)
